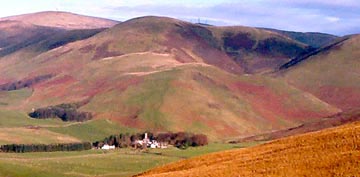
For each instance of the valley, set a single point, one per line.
(69, 78)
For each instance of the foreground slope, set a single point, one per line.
(331, 152)
(63, 20)
(331, 73)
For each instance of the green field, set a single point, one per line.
(9, 118)
(92, 130)
(120, 162)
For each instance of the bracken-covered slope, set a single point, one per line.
(331, 152)
(331, 73)
(157, 74)
(63, 20)
(257, 50)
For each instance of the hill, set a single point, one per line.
(331, 152)
(330, 73)
(155, 73)
(63, 20)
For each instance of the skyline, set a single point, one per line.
(339, 17)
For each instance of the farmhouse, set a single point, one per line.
(149, 144)
(107, 147)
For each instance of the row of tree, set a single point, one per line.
(183, 139)
(66, 112)
(180, 139)
(24, 83)
(20, 148)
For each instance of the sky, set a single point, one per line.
(339, 17)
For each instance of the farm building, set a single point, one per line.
(107, 147)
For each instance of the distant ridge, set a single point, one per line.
(64, 20)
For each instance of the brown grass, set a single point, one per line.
(331, 152)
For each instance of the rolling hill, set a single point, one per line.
(161, 74)
(331, 152)
(62, 20)
(330, 73)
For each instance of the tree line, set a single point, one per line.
(24, 83)
(21, 148)
(66, 112)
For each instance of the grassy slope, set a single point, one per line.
(331, 152)
(24, 135)
(155, 92)
(92, 130)
(206, 99)
(17, 127)
(332, 75)
(123, 162)
(11, 118)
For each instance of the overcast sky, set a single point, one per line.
(338, 17)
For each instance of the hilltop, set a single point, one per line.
(331, 152)
(63, 20)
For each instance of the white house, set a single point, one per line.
(107, 147)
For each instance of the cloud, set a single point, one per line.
(319, 3)
(332, 19)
